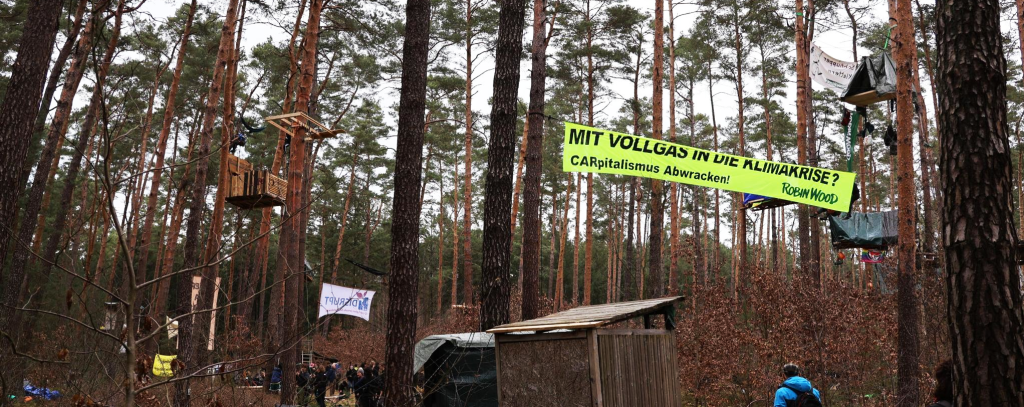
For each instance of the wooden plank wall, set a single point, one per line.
(638, 369)
(544, 373)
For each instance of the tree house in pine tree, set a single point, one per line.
(251, 189)
(314, 129)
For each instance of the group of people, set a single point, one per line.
(365, 382)
(252, 380)
(314, 380)
(797, 391)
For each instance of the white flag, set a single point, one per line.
(830, 72)
(336, 299)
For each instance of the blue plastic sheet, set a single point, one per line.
(41, 392)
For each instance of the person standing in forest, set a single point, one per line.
(796, 391)
(943, 394)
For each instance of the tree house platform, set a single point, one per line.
(251, 189)
(291, 121)
(868, 98)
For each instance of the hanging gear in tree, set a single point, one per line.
(890, 139)
(249, 128)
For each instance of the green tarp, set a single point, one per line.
(875, 230)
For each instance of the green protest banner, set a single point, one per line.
(589, 149)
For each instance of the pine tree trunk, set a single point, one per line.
(907, 319)
(405, 224)
(717, 264)
(802, 95)
(161, 146)
(293, 231)
(17, 112)
(564, 236)
(588, 262)
(58, 70)
(534, 161)
(39, 194)
(190, 343)
(440, 258)
(263, 244)
(657, 216)
(467, 208)
(673, 283)
(166, 264)
(576, 245)
(985, 306)
(741, 215)
(519, 181)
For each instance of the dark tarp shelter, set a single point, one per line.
(875, 230)
(459, 370)
(873, 82)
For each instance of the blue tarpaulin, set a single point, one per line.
(41, 392)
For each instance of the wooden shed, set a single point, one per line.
(575, 358)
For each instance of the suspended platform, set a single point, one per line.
(759, 203)
(252, 189)
(315, 130)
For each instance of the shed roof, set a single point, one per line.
(593, 316)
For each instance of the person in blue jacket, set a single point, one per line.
(789, 392)
(275, 379)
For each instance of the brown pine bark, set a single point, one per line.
(344, 219)
(405, 224)
(467, 195)
(673, 264)
(519, 180)
(263, 244)
(455, 229)
(140, 171)
(907, 326)
(17, 112)
(39, 195)
(191, 345)
(588, 262)
(46, 168)
(717, 264)
(166, 263)
(984, 299)
(802, 94)
(550, 292)
(814, 227)
(534, 161)
(161, 147)
(741, 215)
(293, 232)
(657, 200)
(563, 228)
(440, 257)
(96, 104)
(58, 69)
(576, 245)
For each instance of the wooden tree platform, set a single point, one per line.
(868, 98)
(314, 129)
(251, 189)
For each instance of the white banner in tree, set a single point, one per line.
(830, 72)
(335, 299)
(196, 282)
